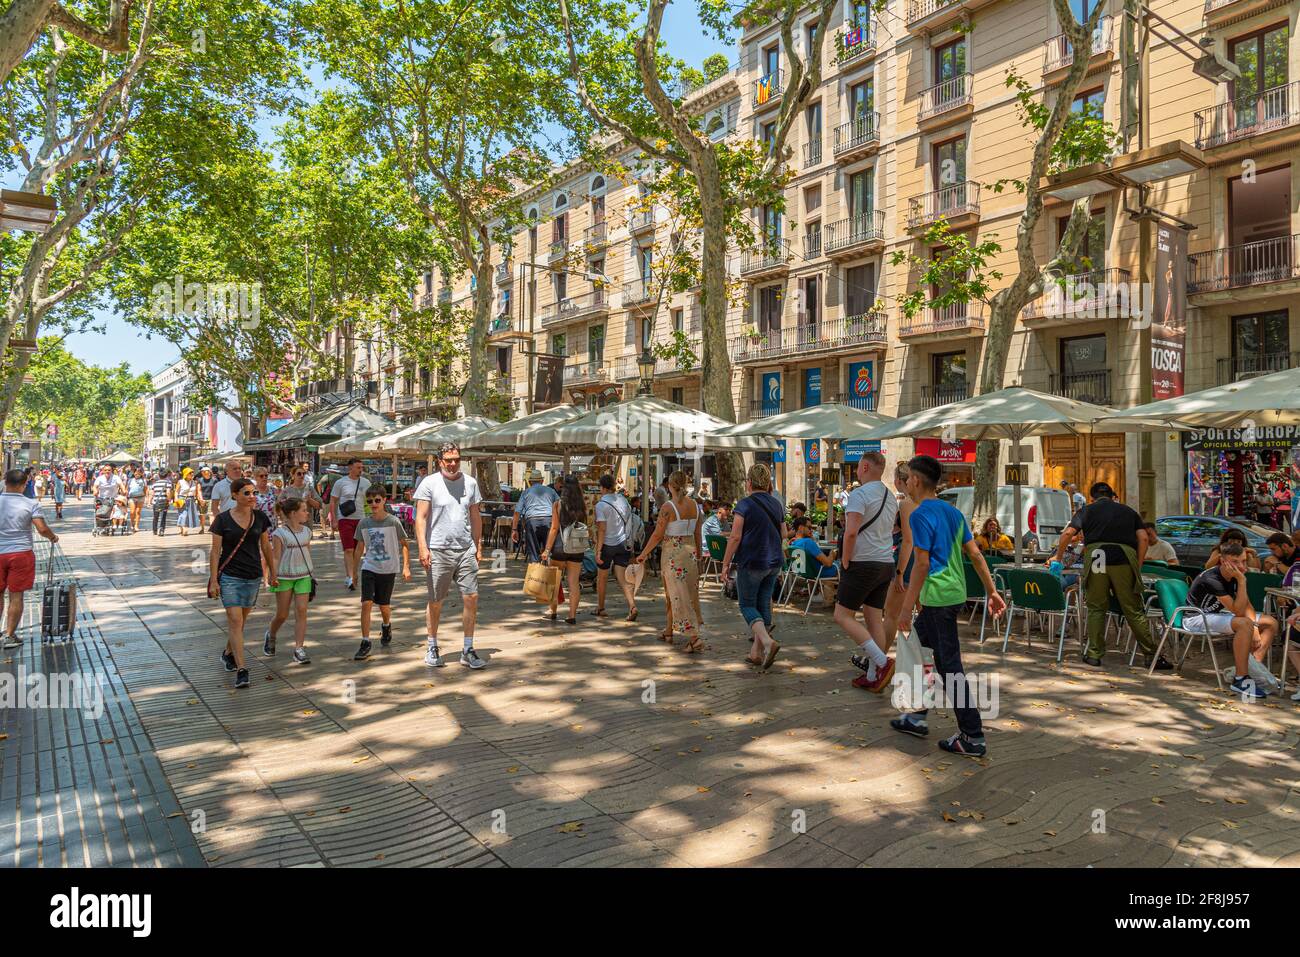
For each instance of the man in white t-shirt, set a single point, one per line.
(449, 533)
(866, 569)
(613, 512)
(18, 516)
(222, 500)
(105, 485)
(347, 508)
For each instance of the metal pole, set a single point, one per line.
(1015, 492)
(1146, 464)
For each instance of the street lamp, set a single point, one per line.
(645, 366)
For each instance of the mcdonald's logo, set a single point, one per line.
(1033, 588)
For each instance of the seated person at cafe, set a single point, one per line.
(797, 511)
(991, 537)
(1158, 550)
(1282, 553)
(718, 522)
(1220, 593)
(803, 539)
(1238, 536)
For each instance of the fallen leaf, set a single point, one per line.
(345, 809)
(1235, 800)
(1157, 800)
(948, 817)
(309, 712)
(1050, 833)
(571, 827)
(702, 790)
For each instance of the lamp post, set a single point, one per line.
(645, 367)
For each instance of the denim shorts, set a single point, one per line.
(239, 592)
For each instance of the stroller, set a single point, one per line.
(103, 518)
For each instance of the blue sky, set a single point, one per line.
(122, 342)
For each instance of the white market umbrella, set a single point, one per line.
(1014, 413)
(1264, 401)
(517, 437)
(459, 431)
(648, 423)
(352, 445)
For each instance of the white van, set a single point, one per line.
(1044, 512)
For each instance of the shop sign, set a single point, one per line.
(1239, 439)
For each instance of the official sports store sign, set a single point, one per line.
(1254, 437)
(1169, 319)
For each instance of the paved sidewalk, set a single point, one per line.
(598, 745)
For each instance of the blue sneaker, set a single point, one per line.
(964, 745)
(1247, 688)
(910, 724)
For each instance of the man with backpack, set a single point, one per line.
(613, 540)
(937, 581)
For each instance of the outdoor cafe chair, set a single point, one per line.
(1173, 604)
(1030, 590)
(804, 569)
(717, 548)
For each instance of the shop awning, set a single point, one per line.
(321, 426)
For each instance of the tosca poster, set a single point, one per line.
(1169, 313)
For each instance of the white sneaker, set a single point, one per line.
(432, 658)
(1296, 696)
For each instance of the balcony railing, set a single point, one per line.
(812, 244)
(1057, 52)
(503, 271)
(559, 247)
(768, 88)
(423, 400)
(773, 254)
(933, 395)
(574, 307)
(498, 382)
(950, 202)
(1091, 387)
(501, 323)
(641, 219)
(1236, 368)
(425, 300)
(855, 42)
(863, 403)
(1248, 116)
(589, 371)
(803, 338)
(859, 133)
(857, 230)
(812, 152)
(596, 234)
(627, 369)
(637, 291)
(1246, 264)
(957, 317)
(444, 297)
(945, 96)
(918, 10)
(1099, 294)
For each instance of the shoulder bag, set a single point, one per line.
(311, 572)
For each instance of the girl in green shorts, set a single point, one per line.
(294, 570)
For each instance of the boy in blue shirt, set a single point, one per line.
(938, 581)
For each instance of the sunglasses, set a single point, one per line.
(247, 491)
(451, 461)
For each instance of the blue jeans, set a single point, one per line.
(754, 588)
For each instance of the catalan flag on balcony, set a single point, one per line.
(852, 38)
(766, 86)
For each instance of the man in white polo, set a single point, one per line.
(222, 500)
(449, 532)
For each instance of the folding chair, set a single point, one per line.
(1173, 603)
(717, 546)
(803, 568)
(1035, 591)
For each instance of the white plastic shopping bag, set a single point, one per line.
(914, 675)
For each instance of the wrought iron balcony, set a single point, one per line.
(577, 307)
(945, 97)
(503, 273)
(955, 203)
(1099, 294)
(773, 256)
(1091, 387)
(768, 89)
(627, 369)
(1058, 54)
(1248, 116)
(641, 220)
(639, 291)
(1236, 368)
(957, 319)
(812, 243)
(935, 395)
(596, 235)
(858, 136)
(559, 248)
(812, 152)
(863, 403)
(855, 234)
(1219, 12)
(591, 372)
(1244, 265)
(444, 296)
(413, 401)
(854, 43)
(810, 338)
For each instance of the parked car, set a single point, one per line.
(1194, 536)
(1044, 512)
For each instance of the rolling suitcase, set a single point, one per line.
(58, 606)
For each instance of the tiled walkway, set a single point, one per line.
(598, 745)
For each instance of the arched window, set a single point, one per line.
(715, 123)
(561, 202)
(597, 185)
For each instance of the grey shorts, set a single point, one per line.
(446, 566)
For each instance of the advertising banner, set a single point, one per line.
(1169, 313)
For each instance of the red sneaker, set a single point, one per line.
(882, 677)
(861, 681)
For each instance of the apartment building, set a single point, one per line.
(175, 430)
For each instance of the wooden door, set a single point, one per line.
(1083, 460)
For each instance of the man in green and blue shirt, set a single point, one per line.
(938, 581)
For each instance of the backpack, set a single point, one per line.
(576, 539)
(635, 529)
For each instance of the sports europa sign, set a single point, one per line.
(1248, 437)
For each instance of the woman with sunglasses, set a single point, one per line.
(241, 547)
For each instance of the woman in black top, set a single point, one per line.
(569, 509)
(241, 548)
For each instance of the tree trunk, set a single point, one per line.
(475, 395)
(715, 362)
(20, 25)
